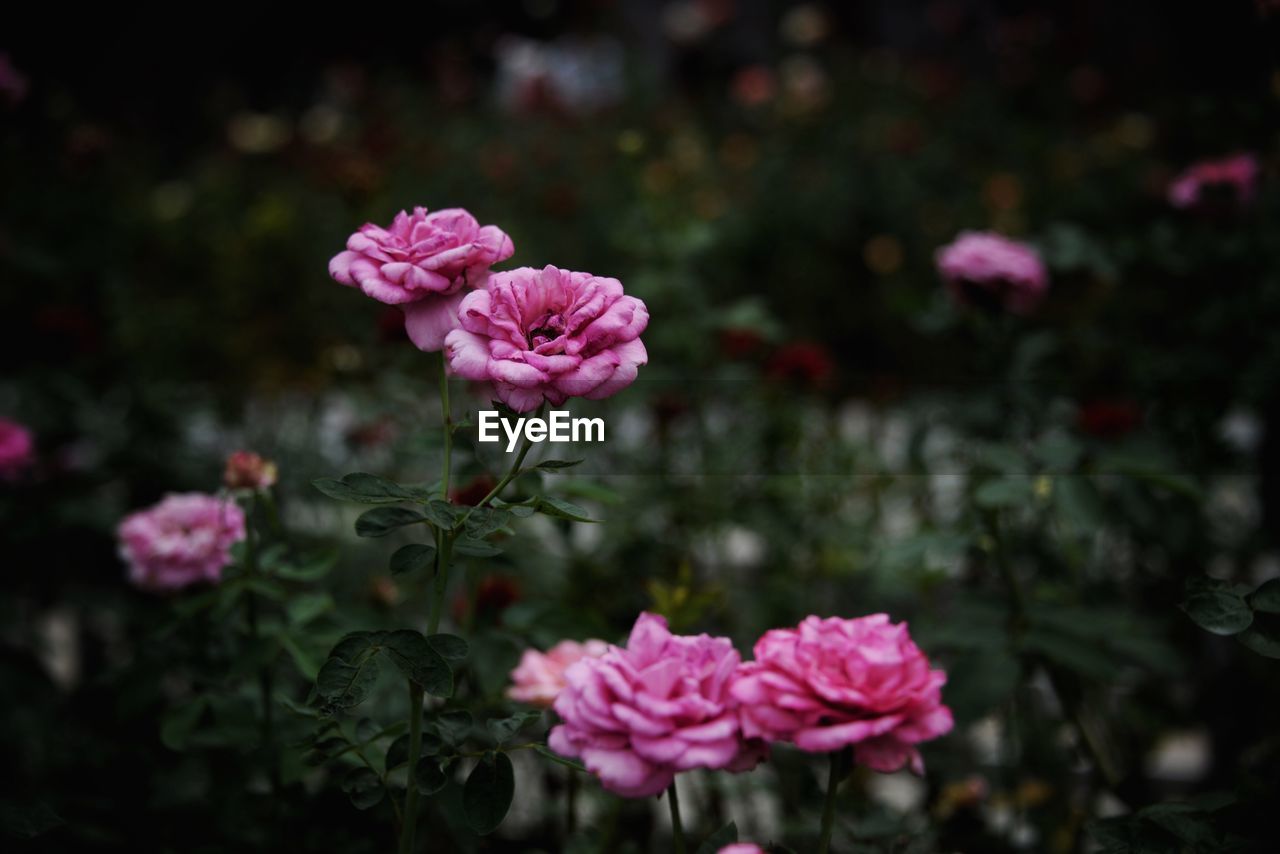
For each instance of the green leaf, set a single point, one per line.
(1221, 611)
(349, 674)
(364, 488)
(519, 509)
(451, 647)
(1267, 597)
(486, 797)
(543, 750)
(503, 729)
(306, 607)
(306, 665)
(454, 726)
(442, 514)
(179, 723)
(726, 835)
(1003, 492)
(312, 569)
(484, 521)
(554, 465)
(28, 822)
(412, 558)
(418, 660)
(475, 548)
(398, 753)
(381, 521)
(558, 508)
(429, 777)
(363, 787)
(1263, 637)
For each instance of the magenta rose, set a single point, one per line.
(423, 263)
(1209, 183)
(17, 449)
(638, 716)
(831, 683)
(183, 540)
(992, 272)
(548, 335)
(539, 678)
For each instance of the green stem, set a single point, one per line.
(829, 806)
(448, 426)
(571, 802)
(502, 484)
(677, 829)
(409, 823)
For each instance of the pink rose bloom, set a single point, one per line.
(17, 449)
(539, 678)
(1236, 175)
(423, 263)
(830, 683)
(549, 335)
(990, 271)
(741, 848)
(247, 470)
(183, 540)
(638, 716)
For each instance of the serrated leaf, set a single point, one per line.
(1267, 597)
(414, 557)
(418, 660)
(363, 787)
(558, 508)
(363, 488)
(451, 647)
(1221, 611)
(726, 835)
(475, 548)
(503, 729)
(428, 776)
(487, 795)
(381, 521)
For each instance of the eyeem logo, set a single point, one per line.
(559, 427)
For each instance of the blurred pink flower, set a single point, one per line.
(1237, 175)
(548, 335)
(422, 262)
(17, 449)
(991, 271)
(247, 470)
(13, 83)
(638, 716)
(539, 678)
(835, 682)
(183, 540)
(741, 848)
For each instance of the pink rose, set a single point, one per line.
(183, 540)
(17, 449)
(831, 683)
(990, 271)
(423, 262)
(1236, 176)
(638, 716)
(549, 335)
(741, 848)
(539, 678)
(247, 470)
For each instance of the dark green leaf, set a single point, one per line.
(418, 660)
(349, 674)
(304, 608)
(414, 557)
(503, 729)
(442, 514)
(521, 509)
(558, 508)
(1267, 597)
(1221, 611)
(475, 548)
(1263, 637)
(486, 797)
(428, 776)
(553, 465)
(454, 726)
(364, 488)
(484, 521)
(312, 569)
(1003, 492)
(363, 788)
(398, 752)
(451, 647)
(381, 521)
(726, 835)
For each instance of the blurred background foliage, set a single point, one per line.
(819, 429)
